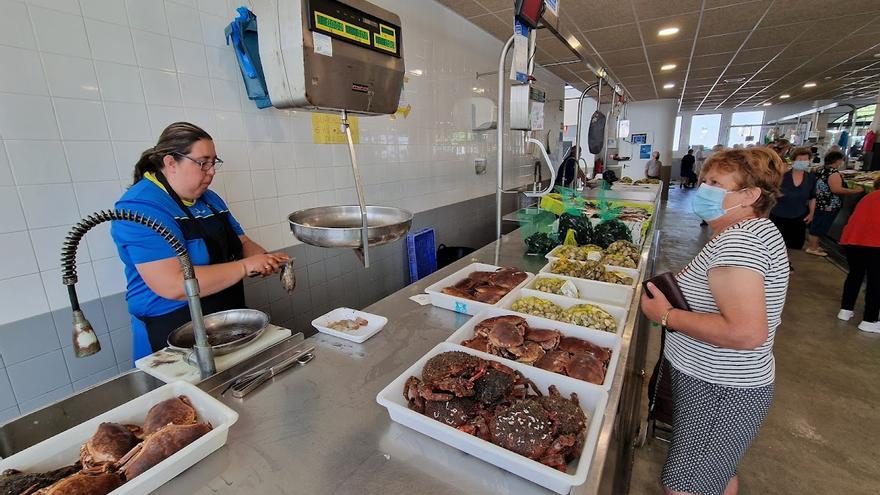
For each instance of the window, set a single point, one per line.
(704, 130)
(864, 116)
(745, 128)
(676, 134)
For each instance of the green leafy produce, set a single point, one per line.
(580, 224)
(610, 231)
(540, 243)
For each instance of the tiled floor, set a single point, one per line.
(822, 435)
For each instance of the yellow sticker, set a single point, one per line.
(327, 129)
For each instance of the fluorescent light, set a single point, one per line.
(668, 31)
(668, 85)
(416, 72)
(782, 97)
(810, 85)
(668, 67)
(766, 104)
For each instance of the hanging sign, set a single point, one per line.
(519, 66)
(644, 151)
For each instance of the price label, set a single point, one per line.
(461, 307)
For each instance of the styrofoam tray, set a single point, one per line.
(592, 400)
(617, 312)
(594, 290)
(629, 272)
(598, 337)
(63, 448)
(375, 323)
(458, 304)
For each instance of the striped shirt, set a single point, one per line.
(754, 244)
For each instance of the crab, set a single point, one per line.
(92, 481)
(587, 368)
(158, 446)
(489, 294)
(484, 327)
(176, 410)
(579, 346)
(508, 278)
(453, 412)
(446, 375)
(20, 482)
(456, 292)
(478, 343)
(109, 444)
(528, 352)
(547, 339)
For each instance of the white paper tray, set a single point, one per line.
(63, 448)
(375, 323)
(617, 312)
(598, 337)
(592, 400)
(629, 272)
(458, 304)
(593, 290)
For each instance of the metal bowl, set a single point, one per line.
(228, 331)
(340, 226)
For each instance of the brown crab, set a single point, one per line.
(528, 352)
(579, 346)
(93, 481)
(109, 444)
(587, 368)
(159, 446)
(478, 343)
(176, 410)
(446, 375)
(555, 361)
(456, 292)
(547, 339)
(484, 327)
(489, 294)
(13, 481)
(508, 277)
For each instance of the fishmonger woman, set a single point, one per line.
(170, 185)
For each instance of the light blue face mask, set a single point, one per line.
(709, 201)
(801, 165)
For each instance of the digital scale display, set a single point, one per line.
(348, 24)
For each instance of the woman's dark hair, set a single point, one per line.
(833, 157)
(177, 138)
(802, 151)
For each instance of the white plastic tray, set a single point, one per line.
(593, 290)
(616, 268)
(598, 337)
(375, 323)
(461, 305)
(63, 448)
(629, 272)
(592, 400)
(617, 312)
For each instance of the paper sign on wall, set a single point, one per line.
(327, 129)
(520, 62)
(644, 151)
(323, 44)
(537, 115)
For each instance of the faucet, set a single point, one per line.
(85, 341)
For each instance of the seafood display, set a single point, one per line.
(647, 181)
(348, 325)
(585, 315)
(116, 453)
(624, 249)
(493, 402)
(589, 270)
(487, 287)
(618, 259)
(556, 286)
(579, 253)
(511, 337)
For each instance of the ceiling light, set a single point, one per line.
(668, 85)
(827, 77)
(810, 85)
(735, 79)
(782, 97)
(668, 31)
(416, 72)
(766, 104)
(877, 55)
(668, 67)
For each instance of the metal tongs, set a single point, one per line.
(245, 384)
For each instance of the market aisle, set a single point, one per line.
(821, 433)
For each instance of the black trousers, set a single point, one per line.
(863, 262)
(793, 230)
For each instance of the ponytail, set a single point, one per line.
(177, 138)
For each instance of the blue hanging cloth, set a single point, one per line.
(241, 33)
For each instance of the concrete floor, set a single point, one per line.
(822, 435)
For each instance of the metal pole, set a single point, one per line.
(577, 139)
(358, 184)
(500, 142)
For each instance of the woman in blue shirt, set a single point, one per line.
(171, 186)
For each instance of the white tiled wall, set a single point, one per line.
(86, 85)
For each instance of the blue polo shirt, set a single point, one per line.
(139, 244)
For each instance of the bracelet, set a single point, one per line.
(665, 319)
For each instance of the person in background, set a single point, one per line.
(598, 166)
(861, 243)
(569, 170)
(688, 178)
(721, 352)
(829, 189)
(700, 158)
(652, 167)
(797, 205)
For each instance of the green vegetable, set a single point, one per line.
(580, 224)
(610, 231)
(540, 243)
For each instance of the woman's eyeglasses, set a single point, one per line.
(205, 165)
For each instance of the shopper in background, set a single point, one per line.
(569, 170)
(652, 168)
(796, 207)
(829, 188)
(688, 178)
(721, 352)
(861, 242)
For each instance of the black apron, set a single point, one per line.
(223, 246)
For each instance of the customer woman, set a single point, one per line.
(653, 166)
(829, 189)
(171, 183)
(861, 242)
(796, 207)
(721, 352)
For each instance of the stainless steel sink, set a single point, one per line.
(39, 425)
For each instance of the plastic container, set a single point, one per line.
(420, 251)
(63, 448)
(461, 305)
(374, 325)
(593, 290)
(618, 313)
(629, 272)
(604, 339)
(592, 400)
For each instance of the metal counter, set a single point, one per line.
(318, 429)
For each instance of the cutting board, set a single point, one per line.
(170, 366)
